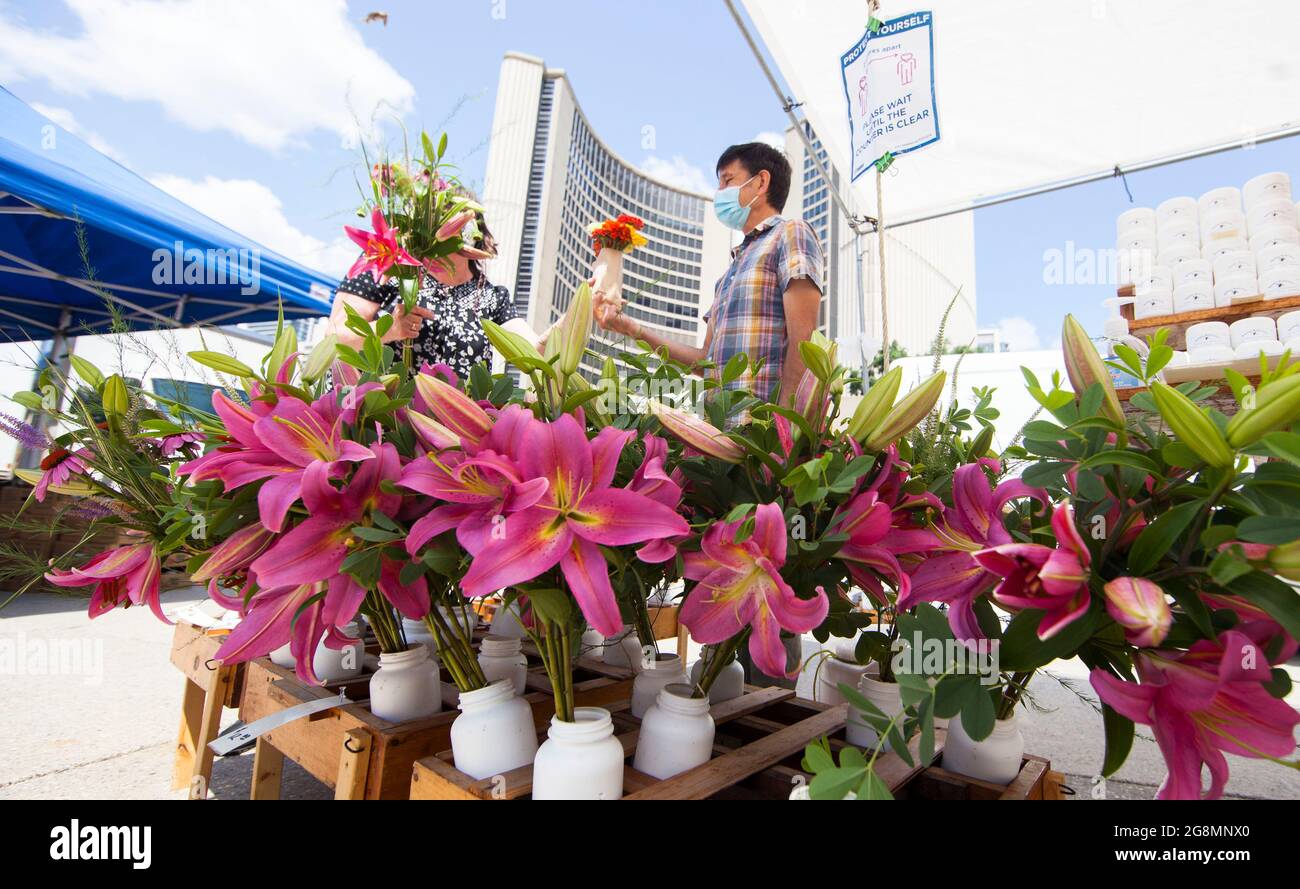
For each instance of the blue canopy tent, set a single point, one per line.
(78, 231)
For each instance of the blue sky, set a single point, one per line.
(250, 112)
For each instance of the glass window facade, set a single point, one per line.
(662, 280)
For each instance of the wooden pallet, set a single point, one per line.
(362, 756)
(1178, 323)
(757, 754)
(209, 687)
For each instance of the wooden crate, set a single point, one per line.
(362, 756)
(757, 754)
(798, 723)
(209, 687)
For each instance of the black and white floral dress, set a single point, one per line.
(453, 336)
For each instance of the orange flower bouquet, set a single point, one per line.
(612, 239)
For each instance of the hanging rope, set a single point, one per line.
(880, 245)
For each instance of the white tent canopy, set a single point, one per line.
(1033, 93)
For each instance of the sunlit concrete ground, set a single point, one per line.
(110, 731)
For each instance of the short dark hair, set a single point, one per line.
(756, 157)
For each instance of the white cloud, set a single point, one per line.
(66, 119)
(270, 72)
(1019, 334)
(253, 210)
(771, 137)
(677, 172)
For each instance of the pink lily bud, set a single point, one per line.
(810, 399)
(692, 431)
(433, 434)
(453, 408)
(235, 553)
(452, 226)
(1140, 607)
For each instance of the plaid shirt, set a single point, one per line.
(748, 312)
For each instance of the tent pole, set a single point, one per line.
(59, 356)
(1101, 175)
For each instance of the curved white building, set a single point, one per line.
(549, 176)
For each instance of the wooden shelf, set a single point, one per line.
(1178, 323)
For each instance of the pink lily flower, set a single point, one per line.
(651, 480)
(314, 550)
(1140, 607)
(379, 248)
(170, 444)
(130, 574)
(301, 435)
(57, 467)
(880, 528)
(1204, 703)
(578, 513)
(973, 523)
(476, 489)
(740, 584)
(1036, 576)
(290, 614)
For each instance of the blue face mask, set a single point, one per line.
(726, 206)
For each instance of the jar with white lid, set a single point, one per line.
(676, 734)
(500, 657)
(494, 732)
(660, 671)
(580, 759)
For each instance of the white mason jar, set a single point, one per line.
(406, 685)
(335, 664)
(664, 670)
(506, 622)
(730, 683)
(494, 732)
(841, 666)
(676, 734)
(996, 759)
(623, 649)
(417, 633)
(466, 616)
(500, 658)
(580, 759)
(283, 657)
(888, 699)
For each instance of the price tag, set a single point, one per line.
(242, 735)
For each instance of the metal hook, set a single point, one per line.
(209, 662)
(347, 745)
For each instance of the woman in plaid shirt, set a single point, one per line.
(767, 302)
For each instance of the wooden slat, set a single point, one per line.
(268, 770)
(1029, 783)
(187, 736)
(716, 774)
(354, 765)
(432, 778)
